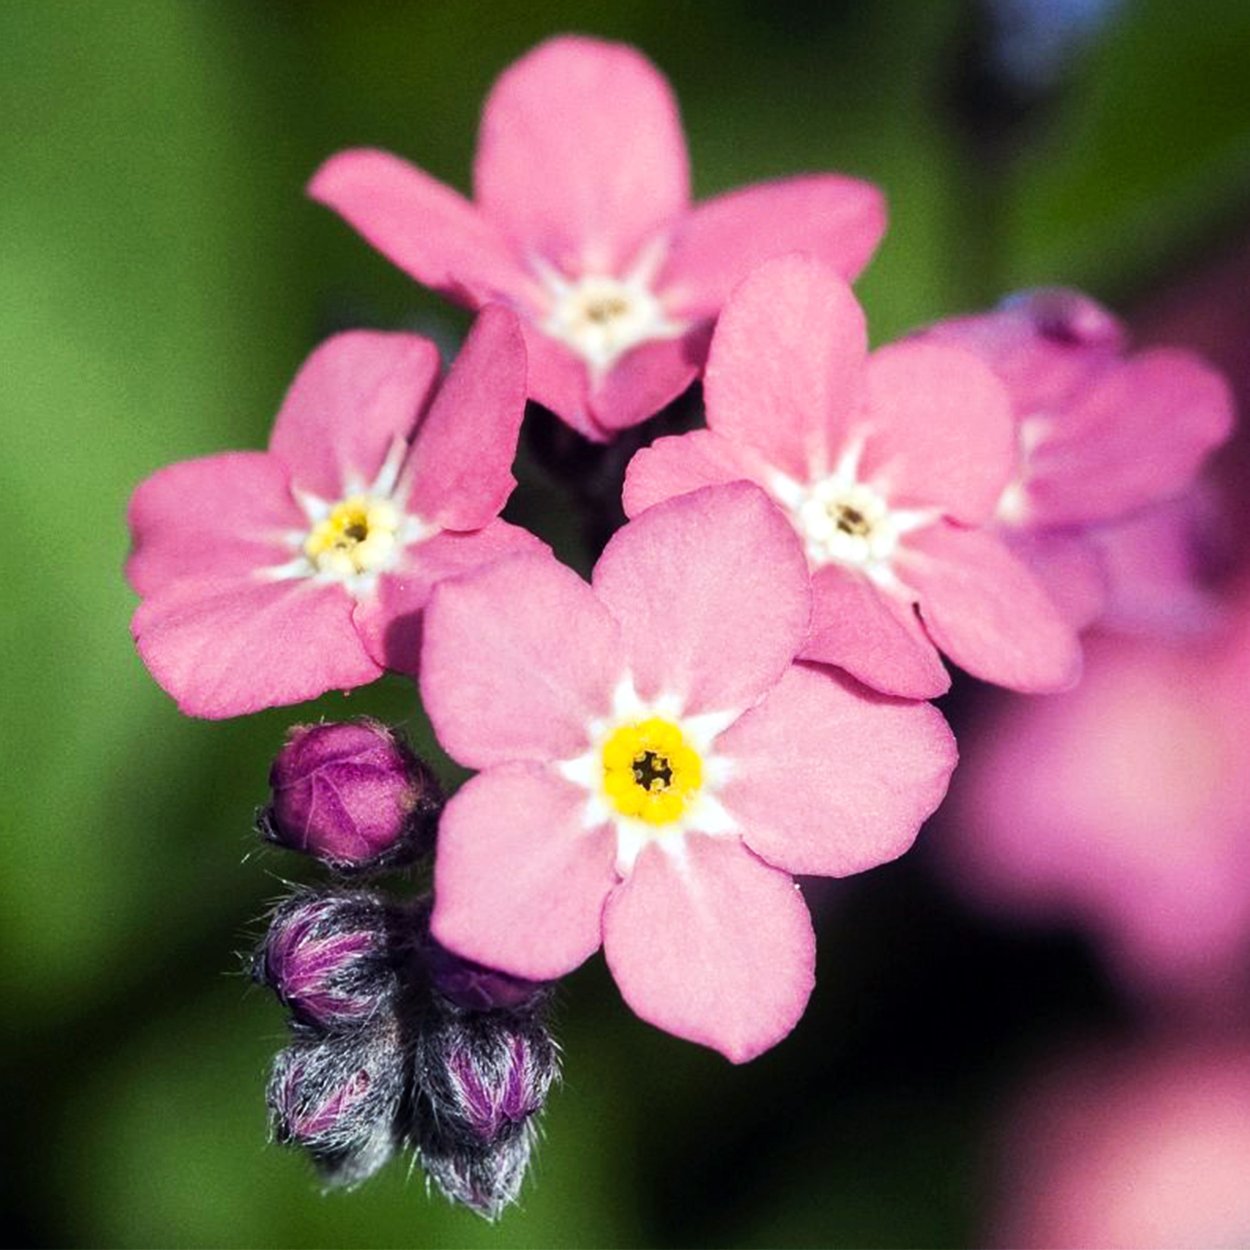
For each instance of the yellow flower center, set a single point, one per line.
(358, 536)
(650, 771)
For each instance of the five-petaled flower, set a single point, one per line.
(1100, 437)
(270, 577)
(652, 786)
(583, 223)
(887, 465)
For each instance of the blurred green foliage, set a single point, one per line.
(161, 277)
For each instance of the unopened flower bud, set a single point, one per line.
(339, 1099)
(1068, 316)
(485, 1179)
(482, 1076)
(353, 795)
(327, 957)
(463, 983)
(474, 987)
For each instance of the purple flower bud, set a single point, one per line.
(327, 957)
(484, 1179)
(339, 1100)
(353, 795)
(465, 984)
(474, 987)
(1067, 316)
(482, 1076)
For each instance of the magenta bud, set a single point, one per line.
(327, 957)
(1064, 315)
(474, 987)
(465, 984)
(481, 1077)
(339, 1100)
(352, 795)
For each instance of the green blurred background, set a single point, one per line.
(161, 278)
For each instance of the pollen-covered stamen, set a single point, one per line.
(650, 771)
(359, 535)
(601, 316)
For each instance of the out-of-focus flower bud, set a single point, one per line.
(339, 1099)
(1067, 316)
(485, 1179)
(482, 1075)
(327, 957)
(353, 795)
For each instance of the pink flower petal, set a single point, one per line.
(559, 380)
(581, 155)
(678, 464)
(519, 882)
(516, 661)
(1155, 580)
(641, 383)
(785, 373)
(829, 779)
(874, 636)
(836, 219)
(352, 398)
(459, 474)
(424, 227)
(1042, 345)
(987, 611)
(716, 948)
(1069, 566)
(647, 378)
(941, 430)
(389, 621)
(219, 515)
(1136, 435)
(227, 646)
(712, 594)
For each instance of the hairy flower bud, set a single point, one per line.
(351, 794)
(327, 957)
(482, 1076)
(485, 1179)
(339, 1099)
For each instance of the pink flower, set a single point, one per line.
(886, 465)
(582, 221)
(655, 767)
(1124, 805)
(270, 577)
(1143, 1149)
(1100, 436)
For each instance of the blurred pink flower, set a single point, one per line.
(271, 577)
(1101, 437)
(583, 223)
(656, 766)
(886, 465)
(1144, 1149)
(1125, 805)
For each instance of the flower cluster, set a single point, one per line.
(736, 697)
